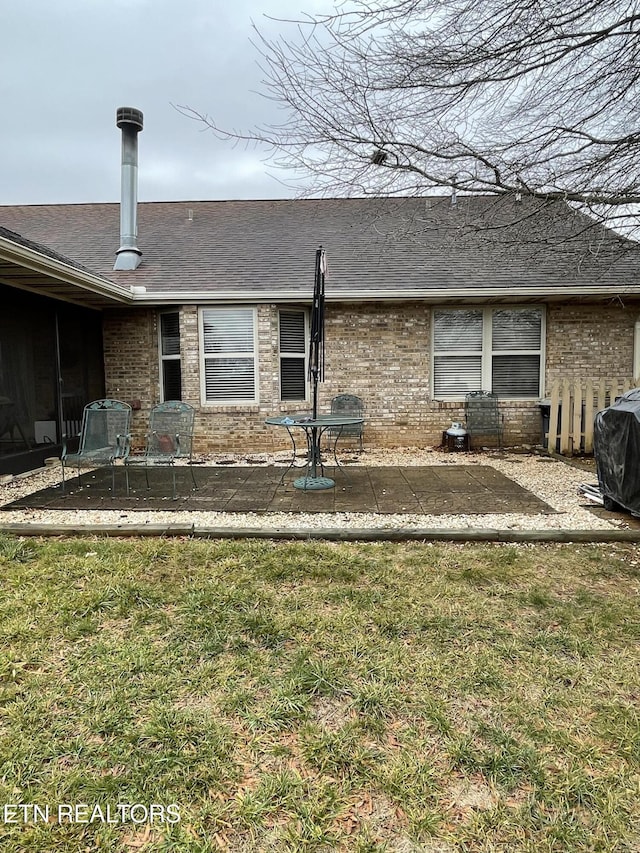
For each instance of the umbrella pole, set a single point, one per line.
(316, 375)
(315, 395)
(317, 339)
(314, 449)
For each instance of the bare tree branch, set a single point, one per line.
(395, 97)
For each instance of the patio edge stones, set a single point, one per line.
(350, 534)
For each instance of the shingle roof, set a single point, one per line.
(38, 247)
(389, 247)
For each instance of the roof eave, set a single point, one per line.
(26, 257)
(372, 295)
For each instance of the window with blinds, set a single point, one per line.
(170, 364)
(229, 355)
(516, 336)
(490, 349)
(293, 349)
(457, 352)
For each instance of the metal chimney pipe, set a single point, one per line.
(128, 256)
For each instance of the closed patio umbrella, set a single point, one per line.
(314, 480)
(316, 342)
(315, 425)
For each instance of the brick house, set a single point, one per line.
(425, 299)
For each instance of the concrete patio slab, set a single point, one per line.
(430, 490)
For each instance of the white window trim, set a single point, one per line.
(161, 357)
(487, 353)
(304, 356)
(229, 401)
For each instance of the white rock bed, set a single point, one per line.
(552, 481)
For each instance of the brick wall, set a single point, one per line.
(130, 340)
(590, 341)
(379, 352)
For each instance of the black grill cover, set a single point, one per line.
(616, 446)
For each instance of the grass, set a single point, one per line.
(319, 696)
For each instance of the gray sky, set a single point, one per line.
(66, 66)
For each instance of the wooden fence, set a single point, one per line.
(574, 405)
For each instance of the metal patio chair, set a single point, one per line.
(170, 437)
(348, 406)
(483, 416)
(104, 438)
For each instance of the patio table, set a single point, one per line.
(314, 429)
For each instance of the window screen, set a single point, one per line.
(457, 359)
(490, 349)
(170, 364)
(229, 354)
(293, 384)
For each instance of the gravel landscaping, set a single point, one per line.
(553, 481)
